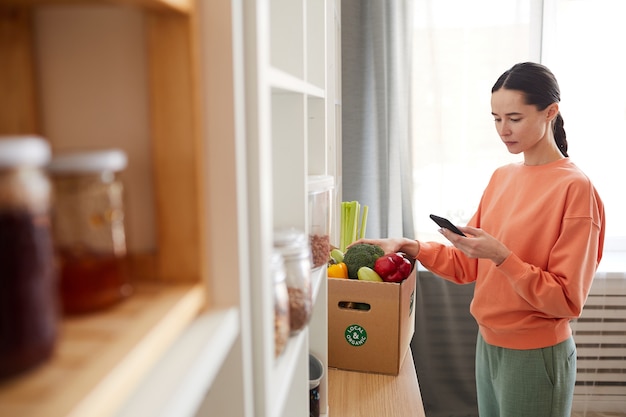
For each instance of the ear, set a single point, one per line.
(552, 111)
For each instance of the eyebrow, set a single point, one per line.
(508, 114)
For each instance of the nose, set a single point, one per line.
(504, 128)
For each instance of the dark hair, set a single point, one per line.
(540, 88)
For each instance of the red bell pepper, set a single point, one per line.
(393, 267)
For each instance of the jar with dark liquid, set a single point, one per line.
(89, 232)
(28, 303)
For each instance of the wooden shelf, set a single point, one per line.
(100, 358)
(178, 383)
(181, 6)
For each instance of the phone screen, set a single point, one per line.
(445, 223)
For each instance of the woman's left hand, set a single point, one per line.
(478, 244)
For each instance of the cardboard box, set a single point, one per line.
(370, 324)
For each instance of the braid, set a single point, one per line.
(559, 134)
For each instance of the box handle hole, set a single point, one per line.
(351, 305)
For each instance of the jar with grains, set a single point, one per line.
(319, 202)
(88, 226)
(281, 305)
(293, 245)
(28, 298)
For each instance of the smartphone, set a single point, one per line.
(445, 223)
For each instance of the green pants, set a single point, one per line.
(525, 383)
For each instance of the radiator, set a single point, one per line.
(600, 335)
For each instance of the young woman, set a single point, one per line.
(532, 248)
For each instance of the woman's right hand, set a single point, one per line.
(392, 245)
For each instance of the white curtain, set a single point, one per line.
(376, 137)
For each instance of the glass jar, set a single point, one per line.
(88, 226)
(281, 305)
(319, 202)
(28, 298)
(294, 248)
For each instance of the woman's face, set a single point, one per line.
(521, 126)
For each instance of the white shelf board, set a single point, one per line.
(286, 367)
(280, 81)
(317, 275)
(176, 386)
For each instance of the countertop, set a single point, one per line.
(359, 394)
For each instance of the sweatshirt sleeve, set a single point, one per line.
(447, 262)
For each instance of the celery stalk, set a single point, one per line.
(345, 225)
(342, 232)
(349, 214)
(363, 222)
(353, 223)
(355, 220)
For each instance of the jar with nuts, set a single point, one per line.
(281, 305)
(294, 247)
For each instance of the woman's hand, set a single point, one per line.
(392, 245)
(478, 244)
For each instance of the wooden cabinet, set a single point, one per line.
(224, 108)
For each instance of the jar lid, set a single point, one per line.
(290, 241)
(288, 237)
(27, 150)
(89, 161)
(278, 267)
(319, 183)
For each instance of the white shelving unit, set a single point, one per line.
(225, 108)
(291, 112)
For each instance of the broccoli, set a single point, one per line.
(361, 254)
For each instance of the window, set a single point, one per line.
(583, 43)
(458, 56)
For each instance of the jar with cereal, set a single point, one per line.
(294, 247)
(319, 204)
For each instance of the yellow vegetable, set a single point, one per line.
(339, 270)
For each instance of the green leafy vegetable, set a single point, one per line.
(360, 255)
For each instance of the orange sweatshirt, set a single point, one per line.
(552, 219)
